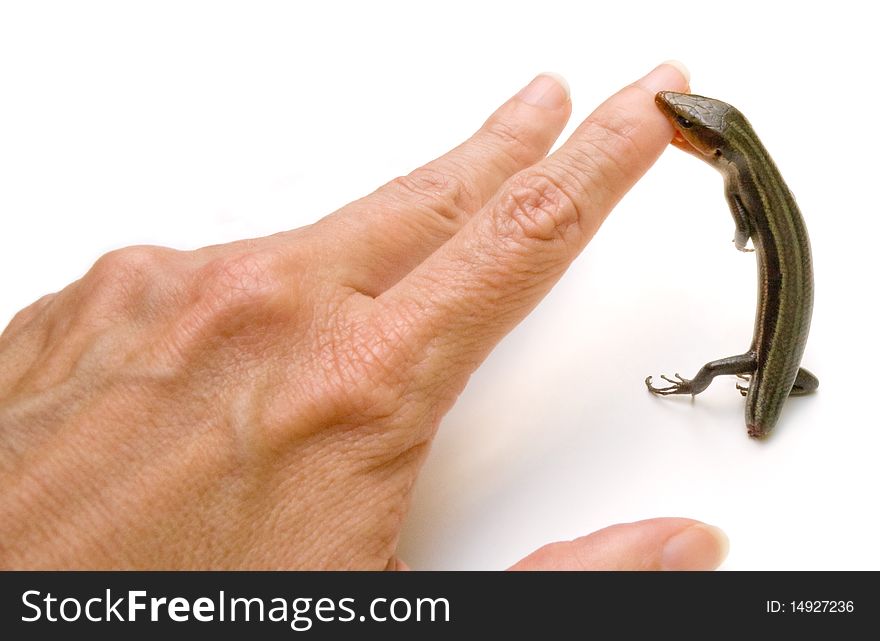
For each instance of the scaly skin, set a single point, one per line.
(764, 210)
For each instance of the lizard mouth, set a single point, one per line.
(679, 141)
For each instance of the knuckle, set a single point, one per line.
(240, 280)
(374, 359)
(128, 263)
(541, 205)
(350, 382)
(237, 306)
(358, 395)
(124, 275)
(443, 192)
(358, 381)
(511, 138)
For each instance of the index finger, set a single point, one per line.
(474, 289)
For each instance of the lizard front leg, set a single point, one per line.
(743, 229)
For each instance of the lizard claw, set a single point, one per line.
(743, 389)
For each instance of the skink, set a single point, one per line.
(764, 211)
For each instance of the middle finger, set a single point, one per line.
(390, 231)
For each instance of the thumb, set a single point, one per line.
(654, 544)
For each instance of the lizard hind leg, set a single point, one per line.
(743, 389)
(805, 383)
(740, 364)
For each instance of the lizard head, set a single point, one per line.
(700, 123)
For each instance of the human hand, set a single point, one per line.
(268, 403)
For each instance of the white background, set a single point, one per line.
(185, 124)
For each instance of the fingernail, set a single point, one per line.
(698, 547)
(548, 90)
(671, 74)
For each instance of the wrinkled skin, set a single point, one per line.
(268, 403)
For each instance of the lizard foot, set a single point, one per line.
(680, 386)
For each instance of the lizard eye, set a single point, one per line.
(684, 122)
(718, 153)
